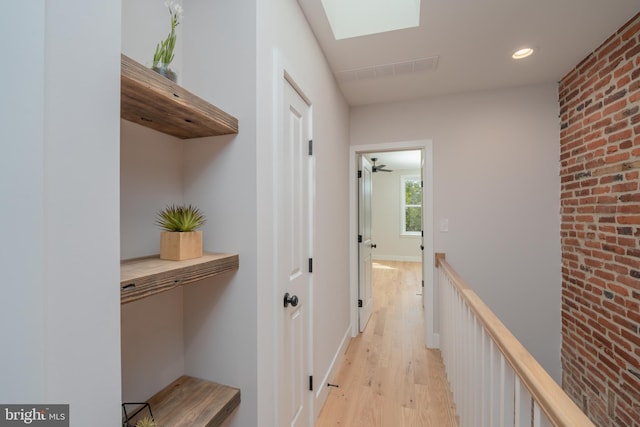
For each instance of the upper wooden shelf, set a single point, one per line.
(151, 100)
(192, 402)
(143, 277)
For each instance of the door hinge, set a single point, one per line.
(359, 174)
(422, 233)
(311, 147)
(310, 382)
(359, 238)
(359, 303)
(421, 184)
(310, 265)
(423, 283)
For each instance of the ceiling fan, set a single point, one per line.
(379, 168)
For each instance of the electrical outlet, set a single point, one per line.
(444, 225)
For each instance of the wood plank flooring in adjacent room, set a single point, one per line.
(388, 377)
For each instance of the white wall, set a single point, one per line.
(61, 139)
(151, 177)
(152, 340)
(22, 317)
(219, 64)
(152, 329)
(82, 109)
(386, 219)
(496, 181)
(282, 27)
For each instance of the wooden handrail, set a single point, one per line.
(554, 402)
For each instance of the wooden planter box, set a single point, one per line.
(178, 246)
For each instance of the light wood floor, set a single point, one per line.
(388, 377)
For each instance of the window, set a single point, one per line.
(411, 205)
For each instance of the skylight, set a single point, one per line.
(353, 18)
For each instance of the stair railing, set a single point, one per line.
(495, 381)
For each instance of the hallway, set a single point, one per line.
(388, 377)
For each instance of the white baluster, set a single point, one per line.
(460, 358)
(509, 386)
(539, 417)
(475, 371)
(486, 380)
(464, 386)
(495, 385)
(523, 410)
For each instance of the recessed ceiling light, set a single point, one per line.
(522, 53)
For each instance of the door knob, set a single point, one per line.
(290, 299)
(422, 247)
(373, 246)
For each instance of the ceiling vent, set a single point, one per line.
(420, 65)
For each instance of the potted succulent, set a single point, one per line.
(146, 422)
(180, 240)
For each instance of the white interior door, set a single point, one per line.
(365, 285)
(294, 228)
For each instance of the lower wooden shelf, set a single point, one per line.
(143, 277)
(192, 402)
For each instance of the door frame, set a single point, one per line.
(432, 338)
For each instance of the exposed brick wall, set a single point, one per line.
(600, 232)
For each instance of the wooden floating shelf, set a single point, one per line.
(151, 100)
(143, 277)
(192, 402)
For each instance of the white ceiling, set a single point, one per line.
(469, 43)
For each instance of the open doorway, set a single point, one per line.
(397, 205)
(401, 229)
(389, 219)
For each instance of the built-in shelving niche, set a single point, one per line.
(153, 101)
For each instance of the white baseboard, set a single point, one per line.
(397, 258)
(322, 391)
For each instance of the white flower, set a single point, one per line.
(174, 8)
(177, 10)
